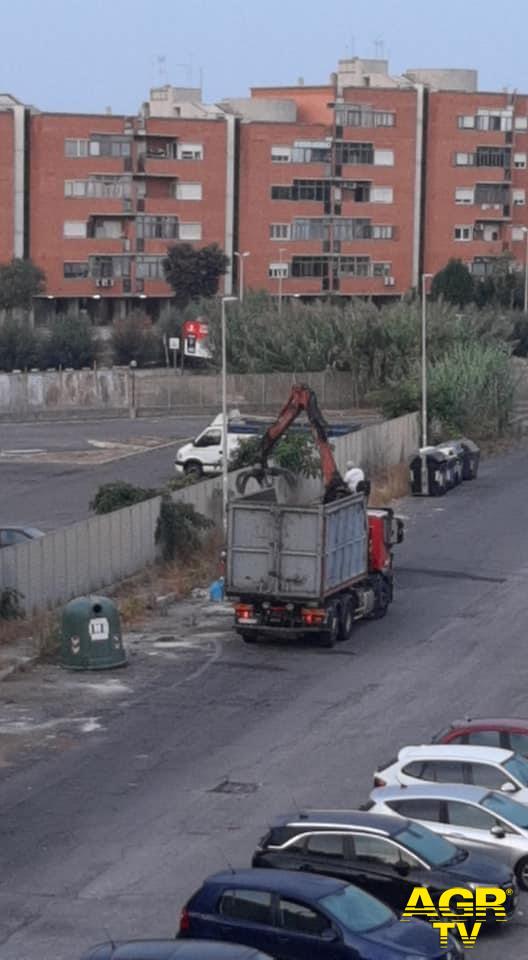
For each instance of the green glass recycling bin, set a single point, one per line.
(91, 635)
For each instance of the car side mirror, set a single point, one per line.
(508, 787)
(497, 831)
(402, 868)
(329, 935)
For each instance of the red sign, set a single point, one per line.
(196, 328)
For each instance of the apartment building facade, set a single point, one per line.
(354, 187)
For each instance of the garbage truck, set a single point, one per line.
(306, 569)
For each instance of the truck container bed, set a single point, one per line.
(289, 552)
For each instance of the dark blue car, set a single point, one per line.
(295, 916)
(173, 950)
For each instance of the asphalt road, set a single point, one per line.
(51, 495)
(109, 833)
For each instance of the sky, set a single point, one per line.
(86, 55)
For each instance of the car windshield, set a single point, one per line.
(518, 767)
(427, 845)
(356, 910)
(515, 812)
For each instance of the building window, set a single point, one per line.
(106, 229)
(310, 267)
(311, 151)
(519, 161)
(464, 195)
(276, 270)
(381, 232)
(493, 157)
(491, 194)
(384, 158)
(111, 187)
(310, 229)
(521, 123)
(190, 151)
(150, 268)
(354, 266)
(466, 123)
(381, 269)
(463, 233)
(110, 147)
(280, 154)
(361, 116)
(188, 191)
(464, 159)
(519, 198)
(279, 231)
(76, 148)
(381, 195)
(316, 190)
(486, 120)
(109, 267)
(160, 93)
(75, 270)
(74, 229)
(356, 153)
(190, 231)
(157, 228)
(517, 233)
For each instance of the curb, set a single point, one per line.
(18, 666)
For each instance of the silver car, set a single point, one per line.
(471, 817)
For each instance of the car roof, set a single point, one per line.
(30, 531)
(308, 819)
(448, 791)
(454, 751)
(279, 881)
(173, 950)
(492, 722)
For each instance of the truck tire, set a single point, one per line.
(347, 619)
(330, 637)
(193, 468)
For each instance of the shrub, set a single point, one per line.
(294, 452)
(69, 342)
(19, 346)
(113, 496)
(178, 529)
(134, 339)
(11, 604)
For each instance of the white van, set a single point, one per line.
(203, 455)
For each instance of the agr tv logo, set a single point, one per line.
(455, 907)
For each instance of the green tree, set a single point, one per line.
(134, 339)
(69, 342)
(293, 451)
(454, 284)
(194, 273)
(19, 347)
(20, 281)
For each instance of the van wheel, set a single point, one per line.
(193, 469)
(348, 611)
(521, 872)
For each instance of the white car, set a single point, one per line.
(451, 763)
(473, 818)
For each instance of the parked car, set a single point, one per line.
(508, 734)
(173, 950)
(449, 763)
(471, 817)
(296, 916)
(386, 856)
(9, 536)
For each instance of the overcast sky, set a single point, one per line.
(84, 55)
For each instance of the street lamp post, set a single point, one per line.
(241, 257)
(224, 413)
(425, 277)
(281, 251)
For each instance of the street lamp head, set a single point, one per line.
(229, 299)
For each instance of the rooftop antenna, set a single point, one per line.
(111, 939)
(378, 48)
(162, 66)
(297, 807)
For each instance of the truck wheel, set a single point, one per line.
(193, 469)
(331, 635)
(348, 611)
(383, 599)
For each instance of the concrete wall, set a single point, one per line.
(45, 394)
(88, 556)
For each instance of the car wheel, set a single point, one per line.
(521, 872)
(249, 637)
(193, 469)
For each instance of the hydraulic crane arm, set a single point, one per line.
(302, 398)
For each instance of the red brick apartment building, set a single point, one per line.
(355, 187)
